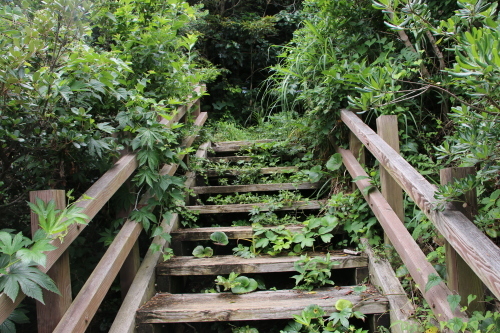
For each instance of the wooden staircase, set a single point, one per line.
(176, 308)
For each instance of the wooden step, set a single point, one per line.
(245, 208)
(235, 146)
(234, 159)
(197, 234)
(260, 305)
(216, 265)
(256, 187)
(262, 171)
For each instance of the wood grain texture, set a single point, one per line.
(49, 315)
(256, 188)
(263, 171)
(143, 286)
(409, 251)
(383, 277)
(88, 300)
(245, 208)
(387, 129)
(217, 265)
(260, 305)
(460, 276)
(197, 234)
(235, 146)
(478, 251)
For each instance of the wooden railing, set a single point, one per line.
(77, 314)
(476, 249)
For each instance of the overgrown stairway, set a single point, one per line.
(181, 279)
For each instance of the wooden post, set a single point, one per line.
(49, 315)
(358, 150)
(129, 269)
(387, 129)
(461, 278)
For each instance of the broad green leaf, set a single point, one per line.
(246, 285)
(219, 238)
(335, 162)
(343, 304)
(202, 252)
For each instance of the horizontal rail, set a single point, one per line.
(409, 251)
(100, 192)
(86, 304)
(478, 251)
(143, 286)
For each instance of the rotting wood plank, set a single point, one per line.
(234, 159)
(262, 171)
(216, 265)
(143, 286)
(478, 251)
(256, 187)
(260, 305)
(245, 208)
(383, 277)
(409, 251)
(197, 234)
(235, 146)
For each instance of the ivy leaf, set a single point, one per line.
(433, 280)
(18, 316)
(454, 301)
(177, 194)
(335, 162)
(27, 278)
(147, 176)
(96, 147)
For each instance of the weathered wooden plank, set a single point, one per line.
(383, 277)
(235, 146)
(143, 286)
(409, 251)
(217, 265)
(50, 314)
(245, 208)
(262, 171)
(234, 159)
(256, 187)
(460, 276)
(196, 234)
(478, 251)
(261, 305)
(387, 129)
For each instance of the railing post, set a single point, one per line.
(461, 278)
(387, 129)
(49, 315)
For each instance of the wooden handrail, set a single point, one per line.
(100, 192)
(409, 251)
(142, 288)
(478, 251)
(86, 304)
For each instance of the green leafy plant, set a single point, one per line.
(236, 283)
(312, 319)
(313, 272)
(20, 255)
(203, 252)
(219, 238)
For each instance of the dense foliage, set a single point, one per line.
(239, 37)
(433, 65)
(80, 81)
